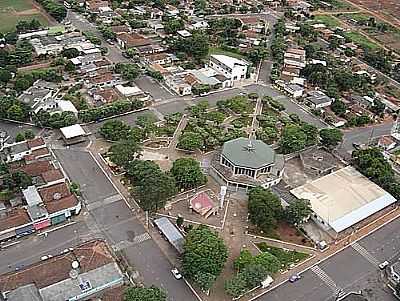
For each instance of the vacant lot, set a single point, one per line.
(12, 11)
(388, 9)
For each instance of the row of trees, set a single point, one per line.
(11, 108)
(265, 209)
(195, 46)
(372, 164)
(115, 108)
(24, 25)
(296, 137)
(55, 120)
(55, 9)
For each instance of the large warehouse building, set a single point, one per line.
(343, 198)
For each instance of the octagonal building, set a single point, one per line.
(243, 163)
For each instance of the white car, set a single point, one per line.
(45, 257)
(383, 265)
(176, 273)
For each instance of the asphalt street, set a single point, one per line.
(13, 129)
(79, 21)
(353, 269)
(151, 86)
(110, 217)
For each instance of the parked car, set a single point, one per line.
(294, 278)
(383, 265)
(176, 273)
(110, 42)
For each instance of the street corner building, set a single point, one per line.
(343, 198)
(244, 163)
(87, 272)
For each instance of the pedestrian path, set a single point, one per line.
(106, 201)
(326, 279)
(364, 253)
(123, 244)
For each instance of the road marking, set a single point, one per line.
(109, 200)
(326, 279)
(364, 253)
(123, 244)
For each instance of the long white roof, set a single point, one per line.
(344, 198)
(229, 61)
(72, 131)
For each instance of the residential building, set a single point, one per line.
(18, 150)
(179, 84)
(318, 99)
(232, 68)
(294, 90)
(295, 57)
(82, 273)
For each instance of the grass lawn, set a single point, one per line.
(216, 50)
(360, 40)
(8, 21)
(18, 5)
(9, 18)
(286, 257)
(327, 20)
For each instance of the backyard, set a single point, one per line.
(12, 11)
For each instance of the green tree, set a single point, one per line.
(236, 286)
(204, 253)
(254, 274)
(173, 25)
(265, 208)
(16, 112)
(70, 53)
(179, 221)
(29, 134)
(154, 190)
(5, 76)
(21, 84)
(311, 132)
(115, 130)
(297, 211)
(245, 258)
(338, 107)
(19, 137)
(330, 138)
(204, 280)
(187, 173)
(190, 141)
(293, 139)
(144, 294)
(21, 179)
(128, 71)
(268, 261)
(124, 152)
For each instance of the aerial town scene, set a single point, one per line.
(199, 150)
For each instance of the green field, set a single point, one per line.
(215, 50)
(12, 11)
(329, 21)
(360, 40)
(18, 5)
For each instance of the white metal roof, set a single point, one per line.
(344, 198)
(72, 131)
(66, 106)
(229, 61)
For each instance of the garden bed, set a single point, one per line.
(286, 257)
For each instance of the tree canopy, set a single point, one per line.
(204, 254)
(123, 152)
(330, 138)
(187, 173)
(265, 208)
(144, 294)
(297, 211)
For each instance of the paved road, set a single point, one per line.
(147, 84)
(78, 21)
(352, 269)
(111, 217)
(12, 129)
(363, 135)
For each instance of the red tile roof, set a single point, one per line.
(36, 168)
(91, 255)
(52, 175)
(15, 218)
(54, 192)
(61, 204)
(36, 142)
